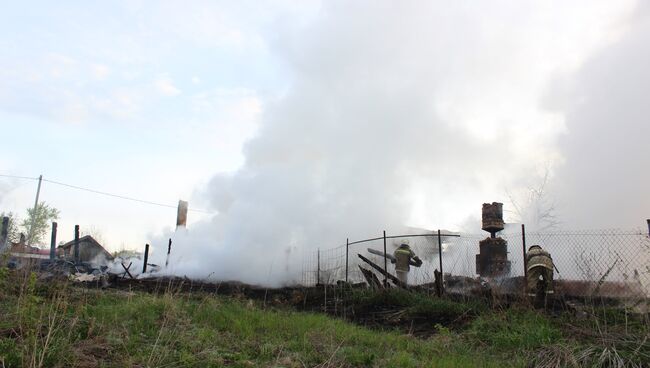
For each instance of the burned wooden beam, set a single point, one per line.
(53, 242)
(392, 278)
(169, 250)
(126, 268)
(371, 278)
(76, 244)
(4, 233)
(146, 257)
(437, 275)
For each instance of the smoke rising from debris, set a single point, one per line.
(397, 114)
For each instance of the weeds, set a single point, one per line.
(413, 303)
(517, 329)
(585, 356)
(55, 325)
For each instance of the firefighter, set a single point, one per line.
(404, 258)
(539, 265)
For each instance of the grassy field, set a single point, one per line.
(58, 325)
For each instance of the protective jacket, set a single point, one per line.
(538, 257)
(403, 255)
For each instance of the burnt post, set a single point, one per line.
(169, 250)
(385, 263)
(53, 242)
(318, 267)
(523, 246)
(648, 221)
(4, 233)
(76, 244)
(347, 253)
(440, 257)
(437, 280)
(146, 258)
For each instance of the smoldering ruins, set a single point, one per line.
(608, 265)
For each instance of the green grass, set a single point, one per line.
(517, 329)
(63, 326)
(170, 330)
(416, 304)
(57, 325)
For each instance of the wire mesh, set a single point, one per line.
(611, 263)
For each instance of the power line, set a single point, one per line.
(120, 196)
(104, 193)
(18, 177)
(108, 194)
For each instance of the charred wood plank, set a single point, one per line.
(392, 278)
(371, 278)
(126, 268)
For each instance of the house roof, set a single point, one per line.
(22, 248)
(87, 239)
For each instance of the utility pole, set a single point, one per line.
(38, 193)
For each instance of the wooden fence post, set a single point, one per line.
(4, 233)
(76, 244)
(146, 258)
(169, 250)
(53, 242)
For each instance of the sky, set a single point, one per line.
(295, 124)
(146, 100)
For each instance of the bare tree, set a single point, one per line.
(536, 209)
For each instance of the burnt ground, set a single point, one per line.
(420, 314)
(354, 303)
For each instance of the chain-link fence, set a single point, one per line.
(606, 263)
(327, 266)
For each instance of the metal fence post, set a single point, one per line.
(76, 244)
(318, 267)
(385, 262)
(648, 221)
(347, 253)
(53, 241)
(440, 257)
(146, 258)
(523, 245)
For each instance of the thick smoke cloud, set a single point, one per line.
(398, 114)
(605, 179)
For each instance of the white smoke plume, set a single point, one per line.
(605, 179)
(398, 113)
